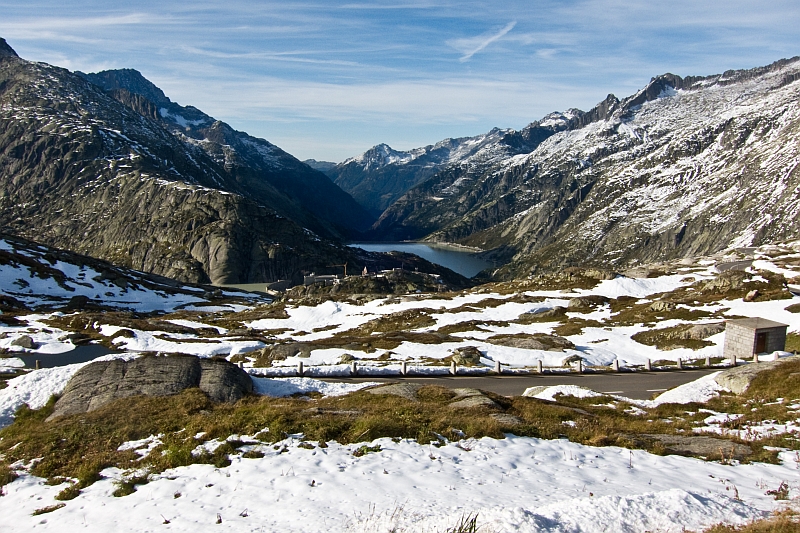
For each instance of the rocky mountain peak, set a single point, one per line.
(6, 50)
(129, 79)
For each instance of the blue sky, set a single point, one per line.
(327, 80)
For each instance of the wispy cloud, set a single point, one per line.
(473, 45)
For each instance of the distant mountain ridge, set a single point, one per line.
(686, 166)
(381, 175)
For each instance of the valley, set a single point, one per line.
(524, 330)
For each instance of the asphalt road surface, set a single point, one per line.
(734, 265)
(638, 385)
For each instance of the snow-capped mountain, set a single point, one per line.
(686, 166)
(381, 175)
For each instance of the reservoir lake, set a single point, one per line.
(460, 260)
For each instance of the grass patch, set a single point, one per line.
(78, 447)
(680, 336)
(48, 509)
(574, 326)
(781, 522)
(793, 342)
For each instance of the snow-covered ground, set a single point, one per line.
(486, 315)
(514, 484)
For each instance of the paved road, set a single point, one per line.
(639, 385)
(734, 265)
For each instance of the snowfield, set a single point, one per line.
(514, 484)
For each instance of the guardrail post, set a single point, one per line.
(497, 368)
(615, 365)
(404, 368)
(755, 358)
(708, 361)
(453, 369)
(733, 360)
(580, 366)
(38, 364)
(539, 366)
(648, 365)
(679, 364)
(300, 368)
(353, 368)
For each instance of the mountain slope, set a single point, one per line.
(381, 175)
(80, 170)
(259, 169)
(686, 166)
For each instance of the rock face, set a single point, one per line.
(685, 167)
(738, 379)
(101, 382)
(128, 176)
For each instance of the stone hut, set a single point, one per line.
(747, 337)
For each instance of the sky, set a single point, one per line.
(328, 80)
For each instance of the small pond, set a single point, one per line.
(80, 354)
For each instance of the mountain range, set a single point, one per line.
(683, 167)
(106, 165)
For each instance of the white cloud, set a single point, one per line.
(471, 46)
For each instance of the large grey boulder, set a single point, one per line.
(101, 382)
(738, 379)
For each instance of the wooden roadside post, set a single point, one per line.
(353, 368)
(300, 368)
(404, 368)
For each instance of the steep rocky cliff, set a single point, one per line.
(106, 174)
(684, 167)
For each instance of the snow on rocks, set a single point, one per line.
(549, 393)
(514, 484)
(34, 389)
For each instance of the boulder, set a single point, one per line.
(471, 398)
(101, 382)
(698, 445)
(660, 306)
(586, 302)
(703, 331)
(738, 379)
(280, 352)
(404, 390)
(467, 355)
(751, 296)
(26, 341)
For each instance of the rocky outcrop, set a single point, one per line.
(101, 382)
(695, 445)
(738, 379)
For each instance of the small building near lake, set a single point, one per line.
(747, 337)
